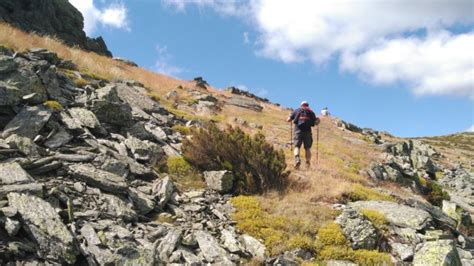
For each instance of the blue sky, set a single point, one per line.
(377, 66)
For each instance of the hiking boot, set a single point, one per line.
(297, 162)
(308, 164)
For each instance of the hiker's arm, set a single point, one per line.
(291, 117)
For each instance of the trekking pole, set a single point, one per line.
(317, 145)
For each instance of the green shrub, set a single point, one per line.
(183, 173)
(436, 194)
(331, 234)
(256, 165)
(182, 129)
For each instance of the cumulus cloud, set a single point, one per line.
(222, 7)
(246, 37)
(404, 41)
(470, 129)
(163, 63)
(113, 15)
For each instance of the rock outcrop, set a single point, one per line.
(77, 184)
(56, 18)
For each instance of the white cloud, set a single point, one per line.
(246, 37)
(407, 41)
(163, 65)
(222, 7)
(114, 15)
(438, 64)
(242, 87)
(470, 129)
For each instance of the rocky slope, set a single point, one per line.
(77, 183)
(51, 17)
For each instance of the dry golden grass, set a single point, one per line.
(340, 165)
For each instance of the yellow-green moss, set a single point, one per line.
(182, 129)
(155, 97)
(333, 252)
(54, 105)
(371, 257)
(439, 175)
(360, 192)
(377, 218)
(279, 233)
(331, 234)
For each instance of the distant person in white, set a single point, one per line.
(325, 112)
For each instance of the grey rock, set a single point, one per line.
(141, 201)
(9, 211)
(24, 144)
(117, 207)
(12, 173)
(74, 157)
(45, 226)
(79, 187)
(12, 226)
(189, 257)
(146, 151)
(397, 214)
(28, 188)
(358, 230)
(59, 139)
(98, 178)
(135, 98)
(229, 241)
(440, 252)
(220, 181)
(7, 64)
(82, 117)
(210, 248)
(403, 251)
(114, 113)
(253, 246)
(244, 103)
(89, 234)
(340, 263)
(162, 190)
(168, 244)
(28, 122)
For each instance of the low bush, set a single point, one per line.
(359, 192)
(182, 129)
(436, 194)
(183, 173)
(256, 165)
(371, 257)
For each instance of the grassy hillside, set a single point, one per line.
(289, 218)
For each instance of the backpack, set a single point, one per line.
(305, 119)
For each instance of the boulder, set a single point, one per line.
(168, 244)
(211, 249)
(28, 122)
(397, 214)
(244, 102)
(58, 139)
(141, 201)
(114, 113)
(135, 98)
(439, 252)
(358, 230)
(12, 226)
(162, 190)
(28, 188)
(45, 227)
(98, 178)
(118, 208)
(144, 150)
(221, 181)
(230, 241)
(24, 144)
(12, 173)
(77, 117)
(253, 246)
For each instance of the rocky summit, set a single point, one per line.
(56, 18)
(77, 183)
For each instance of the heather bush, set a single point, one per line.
(256, 165)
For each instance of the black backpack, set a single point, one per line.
(305, 119)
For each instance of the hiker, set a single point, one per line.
(304, 119)
(325, 111)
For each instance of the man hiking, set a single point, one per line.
(304, 119)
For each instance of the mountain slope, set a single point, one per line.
(341, 173)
